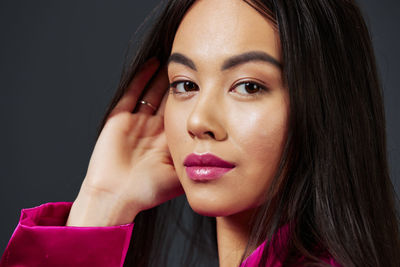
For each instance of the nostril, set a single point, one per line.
(210, 134)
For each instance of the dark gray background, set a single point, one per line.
(60, 62)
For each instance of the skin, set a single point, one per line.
(137, 162)
(248, 127)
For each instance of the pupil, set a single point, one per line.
(188, 86)
(251, 87)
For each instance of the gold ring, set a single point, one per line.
(148, 104)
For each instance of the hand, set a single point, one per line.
(130, 169)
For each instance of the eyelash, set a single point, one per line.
(262, 88)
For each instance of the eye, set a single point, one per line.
(183, 87)
(249, 88)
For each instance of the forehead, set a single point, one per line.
(218, 28)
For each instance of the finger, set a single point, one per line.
(136, 86)
(154, 93)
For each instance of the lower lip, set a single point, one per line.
(205, 173)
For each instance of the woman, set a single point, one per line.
(272, 128)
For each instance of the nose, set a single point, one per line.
(206, 119)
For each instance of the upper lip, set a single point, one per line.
(207, 159)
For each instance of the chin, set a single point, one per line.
(210, 212)
(211, 207)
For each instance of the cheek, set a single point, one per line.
(258, 132)
(259, 136)
(175, 128)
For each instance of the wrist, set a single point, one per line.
(99, 210)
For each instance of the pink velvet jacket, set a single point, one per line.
(42, 239)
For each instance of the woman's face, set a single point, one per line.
(226, 99)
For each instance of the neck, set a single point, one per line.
(232, 235)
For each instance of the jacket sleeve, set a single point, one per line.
(42, 239)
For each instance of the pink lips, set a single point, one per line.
(206, 167)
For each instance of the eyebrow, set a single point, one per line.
(230, 62)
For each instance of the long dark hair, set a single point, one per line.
(333, 184)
